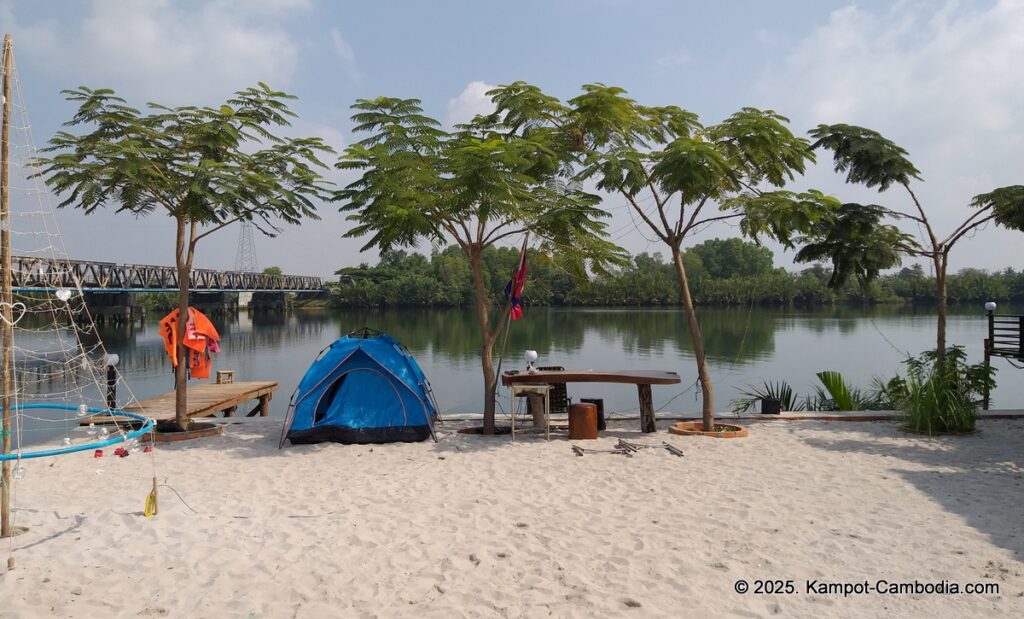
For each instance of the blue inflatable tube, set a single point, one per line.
(147, 426)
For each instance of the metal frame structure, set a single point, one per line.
(1005, 339)
(40, 274)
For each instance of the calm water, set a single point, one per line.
(744, 347)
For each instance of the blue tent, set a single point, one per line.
(363, 388)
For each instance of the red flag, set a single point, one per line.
(514, 288)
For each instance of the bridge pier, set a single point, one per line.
(215, 304)
(274, 302)
(113, 307)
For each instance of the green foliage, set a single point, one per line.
(157, 300)
(497, 177)
(732, 257)
(856, 242)
(273, 270)
(887, 394)
(203, 165)
(836, 394)
(1007, 204)
(862, 245)
(647, 281)
(474, 186)
(942, 392)
(780, 391)
(206, 167)
(669, 168)
(783, 215)
(865, 156)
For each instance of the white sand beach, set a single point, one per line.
(481, 527)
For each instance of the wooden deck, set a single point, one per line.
(204, 400)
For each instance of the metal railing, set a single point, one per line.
(1005, 339)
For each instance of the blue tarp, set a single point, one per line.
(362, 389)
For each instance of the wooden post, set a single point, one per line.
(988, 357)
(646, 409)
(111, 388)
(5, 295)
(984, 389)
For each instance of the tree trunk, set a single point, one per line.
(487, 338)
(180, 376)
(941, 294)
(707, 392)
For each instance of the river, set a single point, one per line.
(744, 346)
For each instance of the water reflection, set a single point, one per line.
(730, 336)
(744, 345)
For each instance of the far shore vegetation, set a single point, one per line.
(725, 272)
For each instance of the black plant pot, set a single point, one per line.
(771, 406)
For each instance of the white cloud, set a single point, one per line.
(160, 50)
(347, 55)
(473, 100)
(946, 83)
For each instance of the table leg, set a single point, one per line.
(547, 415)
(512, 413)
(646, 409)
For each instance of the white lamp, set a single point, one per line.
(990, 306)
(111, 359)
(530, 356)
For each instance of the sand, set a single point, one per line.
(475, 526)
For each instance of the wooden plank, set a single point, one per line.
(203, 400)
(634, 377)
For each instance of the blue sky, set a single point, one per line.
(944, 80)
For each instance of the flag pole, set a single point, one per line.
(507, 315)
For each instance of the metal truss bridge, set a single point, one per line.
(40, 274)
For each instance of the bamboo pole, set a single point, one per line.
(5, 294)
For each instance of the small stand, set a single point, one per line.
(544, 390)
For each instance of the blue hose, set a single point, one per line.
(146, 427)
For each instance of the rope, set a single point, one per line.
(887, 341)
(59, 362)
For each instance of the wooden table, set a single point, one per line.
(643, 379)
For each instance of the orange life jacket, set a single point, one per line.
(199, 335)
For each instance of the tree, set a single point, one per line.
(870, 159)
(732, 257)
(274, 270)
(475, 186)
(671, 171)
(205, 167)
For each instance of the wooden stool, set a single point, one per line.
(583, 421)
(225, 376)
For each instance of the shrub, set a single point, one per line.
(942, 395)
(780, 391)
(837, 394)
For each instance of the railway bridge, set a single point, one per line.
(109, 287)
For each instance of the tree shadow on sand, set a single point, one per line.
(967, 477)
